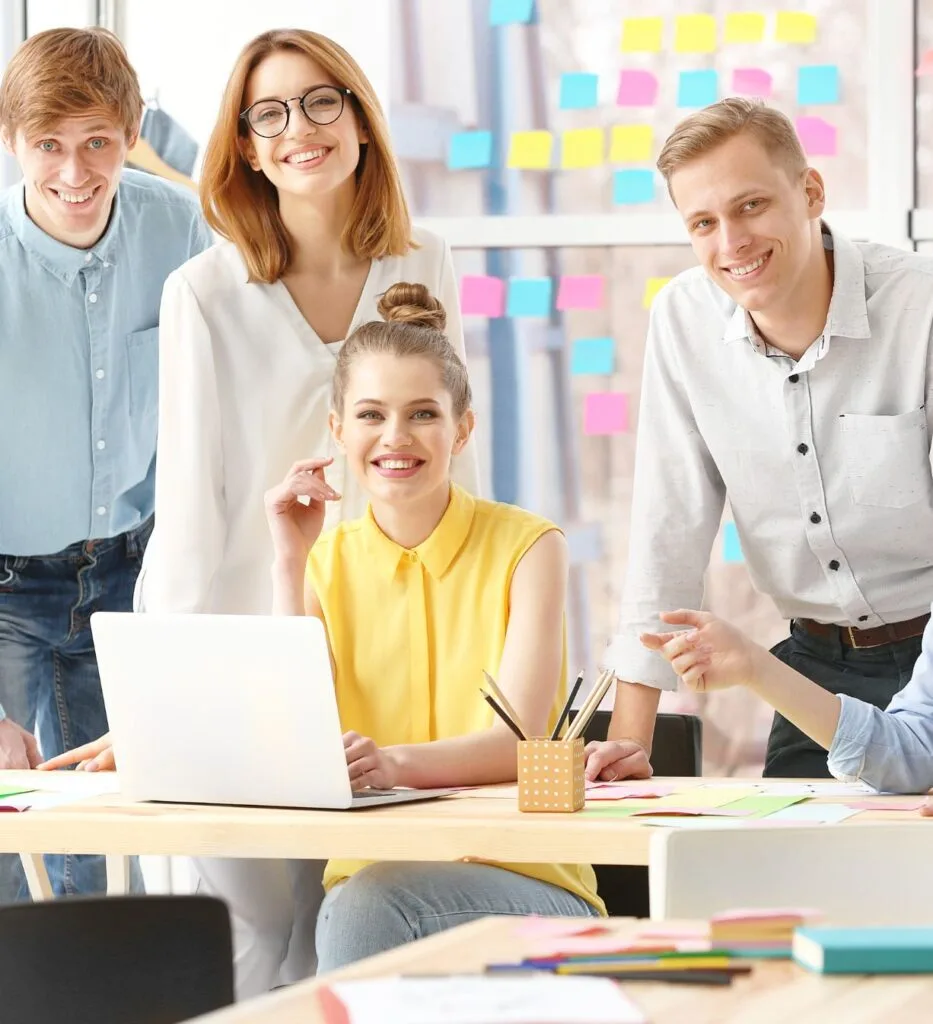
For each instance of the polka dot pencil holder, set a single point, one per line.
(550, 775)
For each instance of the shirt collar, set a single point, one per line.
(64, 261)
(437, 552)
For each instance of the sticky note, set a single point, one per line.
(482, 296)
(817, 83)
(795, 27)
(605, 412)
(695, 33)
(828, 814)
(632, 187)
(529, 296)
(697, 88)
(582, 147)
(731, 548)
(530, 151)
(752, 82)
(631, 143)
(818, 137)
(583, 291)
(469, 150)
(637, 89)
(593, 355)
(744, 28)
(578, 91)
(706, 796)
(925, 67)
(652, 286)
(759, 806)
(642, 35)
(511, 12)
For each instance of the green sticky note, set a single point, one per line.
(6, 791)
(762, 806)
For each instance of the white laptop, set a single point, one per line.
(227, 709)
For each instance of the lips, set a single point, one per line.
(302, 157)
(397, 463)
(75, 197)
(740, 271)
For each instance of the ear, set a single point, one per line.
(7, 141)
(336, 428)
(248, 151)
(464, 431)
(815, 192)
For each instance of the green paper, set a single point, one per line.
(762, 806)
(14, 791)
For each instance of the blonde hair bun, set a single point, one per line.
(412, 304)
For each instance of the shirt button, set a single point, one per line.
(99, 374)
(101, 510)
(101, 445)
(803, 449)
(106, 264)
(88, 257)
(834, 565)
(793, 378)
(92, 297)
(815, 517)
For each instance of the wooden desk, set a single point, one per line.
(777, 991)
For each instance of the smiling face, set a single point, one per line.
(72, 172)
(753, 223)
(307, 160)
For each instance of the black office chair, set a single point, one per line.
(114, 960)
(677, 749)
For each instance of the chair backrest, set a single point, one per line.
(871, 874)
(677, 748)
(145, 959)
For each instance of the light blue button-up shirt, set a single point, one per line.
(79, 365)
(891, 750)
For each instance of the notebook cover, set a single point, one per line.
(865, 950)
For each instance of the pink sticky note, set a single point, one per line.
(605, 412)
(637, 89)
(556, 928)
(691, 812)
(752, 82)
(767, 914)
(818, 137)
(482, 296)
(583, 292)
(611, 791)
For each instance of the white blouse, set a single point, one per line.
(245, 387)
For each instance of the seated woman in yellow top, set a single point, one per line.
(423, 593)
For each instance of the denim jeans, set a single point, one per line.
(48, 672)
(872, 674)
(388, 904)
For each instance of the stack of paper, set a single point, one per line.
(758, 929)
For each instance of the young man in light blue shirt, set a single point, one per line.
(84, 251)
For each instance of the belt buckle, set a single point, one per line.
(852, 641)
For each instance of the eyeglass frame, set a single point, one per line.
(344, 93)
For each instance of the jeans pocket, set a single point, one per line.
(10, 568)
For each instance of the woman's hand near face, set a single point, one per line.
(295, 524)
(368, 764)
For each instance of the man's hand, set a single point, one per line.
(927, 809)
(616, 759)
(92, 757)
(18, 748)
(368, 764)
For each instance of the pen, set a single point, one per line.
(555, 735)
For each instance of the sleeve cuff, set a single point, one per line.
(846, 758)
(629, 661)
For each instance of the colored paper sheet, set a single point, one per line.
(708, 796)
(605, 412)
(886, 805)
(731, 547)
(530, 151)
(582, 147)
(6, 791)
(763, 806)
(795, 27)
(469, 150)
(511, 12)
(626, 791)
(593, 355)
(578, 91)
(583, 291)
(697, 88)
(529, 296)
(693, 812)
(817, 83)
(827, 814)
(701, 822)
(925, 67)
(631, 143)
(744, 28)
(652, 286)
(557, 928)
(482, 296)
(695, 33)
(795, 915)
(752, 82)
(642, 35)
(818, 137)
(629, 188)
(637, 89)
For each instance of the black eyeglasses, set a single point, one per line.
(321, 105)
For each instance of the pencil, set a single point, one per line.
(496, 691)
(491, 701)
(592, 703)
(555, 735)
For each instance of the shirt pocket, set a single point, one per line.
(142, 356)
(887, 458)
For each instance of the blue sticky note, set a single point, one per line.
(731, 548)
(817, 83)
(511, 12)
(630, 187)
(578, 91)
(469, 150)
(593, 355)
(529, 296)
(697, 88)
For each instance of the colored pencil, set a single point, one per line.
(574, 690)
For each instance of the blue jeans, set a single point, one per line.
(48, 672)
(388, 904)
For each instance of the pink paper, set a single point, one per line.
(583, 292)
(637, 89)
(757, 914)
(691, 812)
(817, 136)
(885, 805)
(605, 412)
(482, 296)
(752, 82)
(556, 928)
(598, 945)
(612, 791)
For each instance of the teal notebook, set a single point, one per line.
(865, 950)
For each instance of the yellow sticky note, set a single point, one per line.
(530, 151)
(745, 28)
(705, 796)
(582, 147)
(631, 143)
(652, 286)
(795, 27)
(696, 33)
(642, 35)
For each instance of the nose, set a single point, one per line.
(73, 171)
(299, 124)
(396, 434)
(734, 237)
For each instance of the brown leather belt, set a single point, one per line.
(877, 636)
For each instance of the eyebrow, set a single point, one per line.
(417, 401)
(263, 99)
(734, 201)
